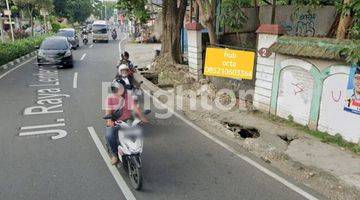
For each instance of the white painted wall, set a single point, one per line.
(333, 119)
(295, 94)
(264, 73)
(195, 53)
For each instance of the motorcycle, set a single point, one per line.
(131, 140)
(85, 39)
(114, 35)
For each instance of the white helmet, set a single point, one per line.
(123, 66)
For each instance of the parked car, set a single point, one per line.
(55, 50)
(71, 35)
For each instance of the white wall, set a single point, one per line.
(295, 94)
(333, 119)
(264, 73)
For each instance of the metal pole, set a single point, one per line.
(105, 12)
(1, 29)
(11, 28)
(45, 24)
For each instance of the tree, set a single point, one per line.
(59, 7)
(208, 10)
(74, 10)
(135, 9)
(78, 10)
(32, 6)
(234, 20)
(173, 13)
(273, 12)
(345, 20)
(355, 29)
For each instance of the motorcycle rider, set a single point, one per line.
(83, 32)
(126, 78)
(121, 105)
(114, 33)
(125, 60)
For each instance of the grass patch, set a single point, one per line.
(323, 136)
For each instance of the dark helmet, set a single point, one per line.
(357, 71)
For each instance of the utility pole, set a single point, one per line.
(105, 12)
(11, 28)
(1, 28)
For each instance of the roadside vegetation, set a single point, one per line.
(21, 47)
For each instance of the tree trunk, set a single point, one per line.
(344, 22)
(32, 25)
(273, 12)
(257, 11)
(212, 33)
(208, 13)
(31, 22)
(173, 21)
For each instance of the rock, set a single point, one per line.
(266, 159)
(311, 174)
(203, 81)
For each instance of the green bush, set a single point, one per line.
(64, 26)
(55, 27)
(11, 51)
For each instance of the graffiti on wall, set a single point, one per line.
(295, 94)
(303, 24)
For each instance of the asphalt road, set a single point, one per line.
(178, 162)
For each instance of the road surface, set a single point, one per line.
(47, 151)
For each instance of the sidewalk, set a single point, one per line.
(326, 168)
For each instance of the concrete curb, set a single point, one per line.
(17, 61)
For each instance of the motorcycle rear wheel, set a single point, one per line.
(135, 175)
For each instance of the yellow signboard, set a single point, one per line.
(229, 63)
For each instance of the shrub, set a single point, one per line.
(12, 51)
(20, 34)
(64, 25)
(55, 26)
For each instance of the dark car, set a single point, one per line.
(55, 51)
(70, 34)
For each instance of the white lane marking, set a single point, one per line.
(42, 126)
(245, 158)
(91, 46)
(8, 72)
(117, 176)
(75, 80)
(83, 56)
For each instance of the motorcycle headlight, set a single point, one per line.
(68, 53)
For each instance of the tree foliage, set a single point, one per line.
(34, 5)
(135, 9)
(74, 10)
(234, 20)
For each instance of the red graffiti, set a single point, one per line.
(334, 99)
(298, 88)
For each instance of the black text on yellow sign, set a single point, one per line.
(229, 63)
